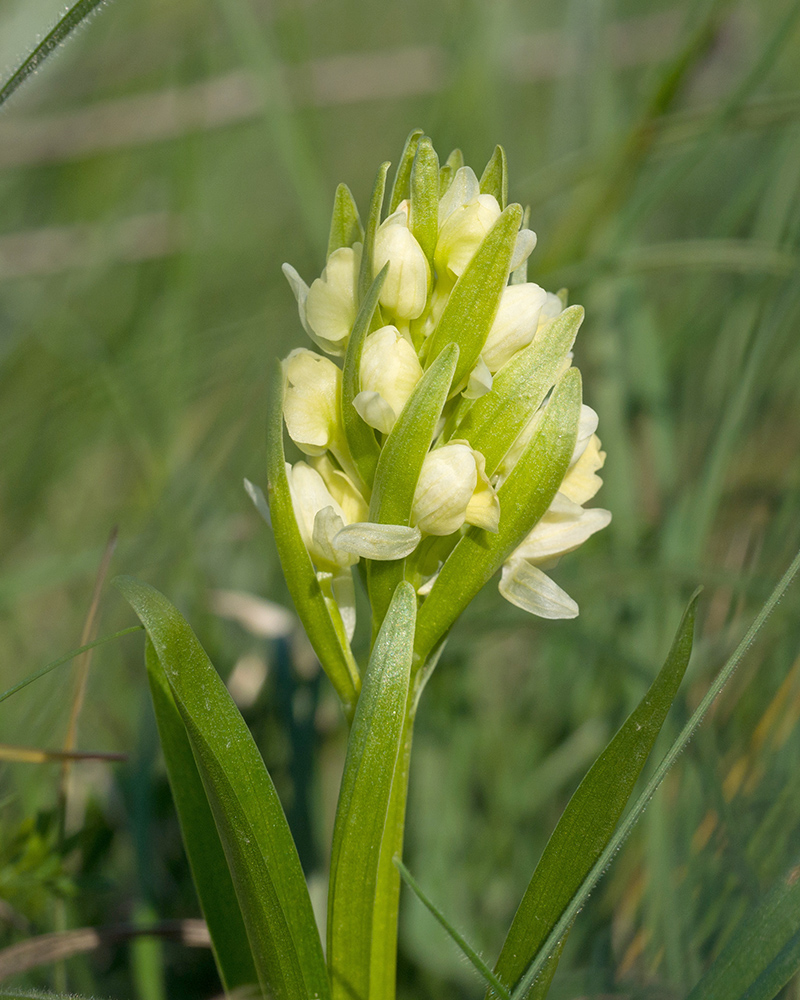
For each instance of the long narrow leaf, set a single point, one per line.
(763, 953)
(210, 874)
(590, 818)
(73, 18)
(402, 179)
(255, 836)
(320, 618)
(346, 228)
(593, 877)
(369, 772)
(365, 275)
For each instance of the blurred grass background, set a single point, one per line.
(153, 177)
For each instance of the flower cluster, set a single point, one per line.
(447, 265)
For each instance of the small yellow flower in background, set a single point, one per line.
(451, 491)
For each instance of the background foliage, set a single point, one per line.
(153, 177)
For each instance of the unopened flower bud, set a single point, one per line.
(331, 305)
(453, 490)
(390, 369)
(463, 232)
(405, 288)
(514, 325)
(343, 490)
(311, 401)
(319, 518)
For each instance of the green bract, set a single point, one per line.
(445, 439)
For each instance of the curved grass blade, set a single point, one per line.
(589, 820)
(424, 215)
(473, 303)
(461, 942)
(764, 952)
(494, 179)
(360, 436)
(346, 228)
(399, 468)
(593, 877)
(73, 18)
(369, 772)
(494, 421)
(402, 178)
(320, 618)
(261, 855)
(365, 275)
(65, 659)
(210, 874)
(524, 497)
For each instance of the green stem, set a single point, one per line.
(383, 962)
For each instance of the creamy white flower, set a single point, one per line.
(515, 324)
(453, 490)
(552, 307)
(390, 369)
(527, 587)
(523, 248)
(480, 381)
(464, 188)
(311, 401)
(319, 517)
(581, 482)
(463, 232)
(342, 488)
(564, 527)
(331, 302)
(405, 288)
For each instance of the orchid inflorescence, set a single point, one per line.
(442, 426)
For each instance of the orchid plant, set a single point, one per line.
(444, 440)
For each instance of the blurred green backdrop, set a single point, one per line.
(153, 178)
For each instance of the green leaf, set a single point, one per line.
(494, 179)
(493, 422)
(402, 178)
(424, 217)
(524, 497)
(346, 228)
(453, 163)
(590, 818)
(252, 828)
(360, 436)
(73, 18)
(764, 952)
(460, 941)
(593, 877)
(320, 617)
(372, 755)
(399, 467)
(210, 873)
(365, 275)
(473, 303)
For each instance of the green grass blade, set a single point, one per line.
(210, 873)
(73, 18)
(461, 942)
(399, 468)
(473, 303)
(590, 818)
(372, 755)
(346, 228)
(424, 215)
(320, 618)
(66, 659)
(360, 436)
(365, 275)
(524, 498)
(255, 836)
(23, 994)
(402, 179)
(494, 179)
(569, 913)
(764, 951)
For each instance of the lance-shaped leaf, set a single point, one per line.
(360, 436)
(473, 303)
(494, 179)
(365, 275)
(346, 228)
(524, 497)
(399, 468)
(402, 178)
(453, 163)
(764, 952)
(252, 828)
(493, 422)
(320, 617)
(210, 874)
(590, 819)
(424, 216)
(369, 771)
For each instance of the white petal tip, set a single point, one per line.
(381, 542)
